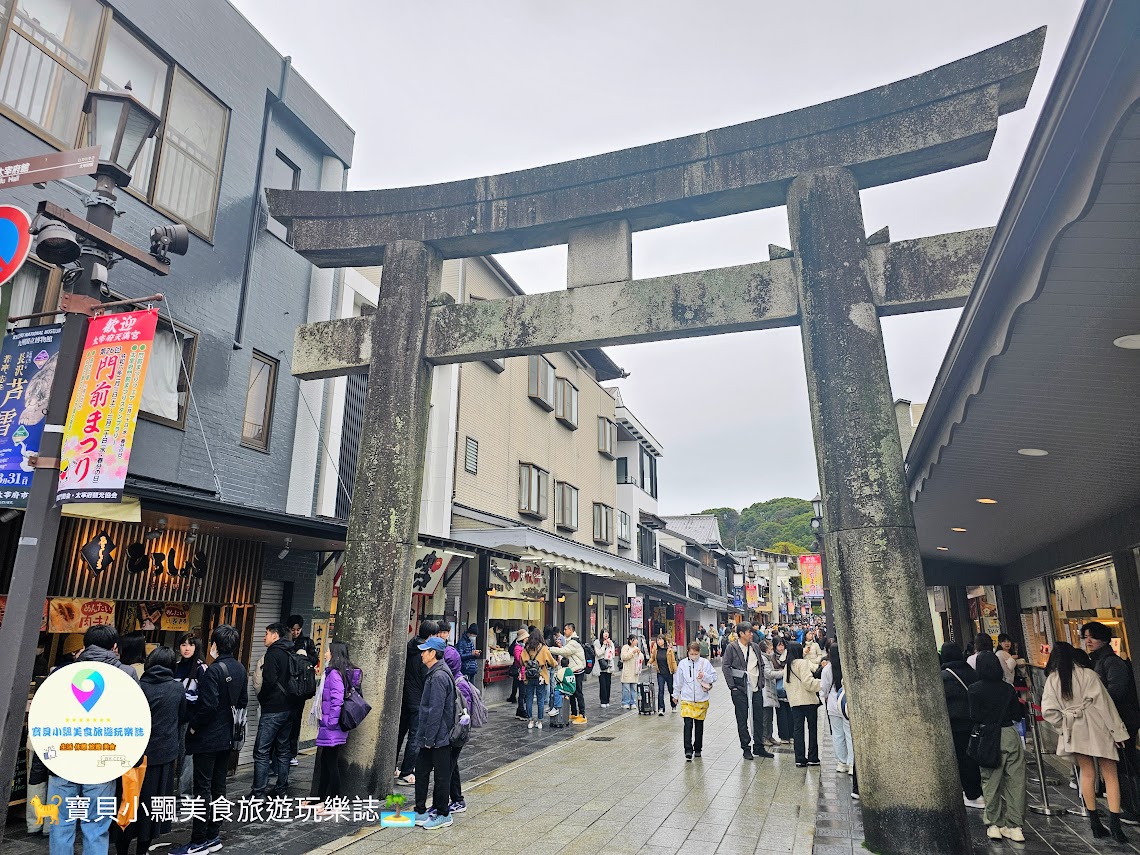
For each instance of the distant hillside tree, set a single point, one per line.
(764, 525)
(786, 547)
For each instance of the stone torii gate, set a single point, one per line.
(835, 282)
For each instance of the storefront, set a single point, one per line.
(518, 594)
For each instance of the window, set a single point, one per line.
(623, 470)
(566, 506)
(623, 533)
(534, 490)
(259, 402)
(191, 157)
(471, 456)
(166, 389)
(34, 288)
(541, 382)
(648, 473)
(282, 175)
(566, 403)
(603, 523)
(646, 546)
(607, 437)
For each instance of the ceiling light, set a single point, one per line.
(943, 548)
(958, 529)
(1033, 452)
(1128, 342)
(987, 501)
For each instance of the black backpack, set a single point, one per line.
(591, 656)
(301, 682)
(532, 671)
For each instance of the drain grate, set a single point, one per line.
(599, 739)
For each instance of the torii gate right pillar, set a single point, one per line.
(908, 775)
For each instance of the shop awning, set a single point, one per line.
(551, 550)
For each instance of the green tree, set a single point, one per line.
(786, 547)
(765, 524)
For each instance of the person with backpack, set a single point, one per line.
(572, 649)
(537, 661)
(433, 740)
(414, 673)
(284, 686)
(217, 727)
(341, 677)
(302, 644)
(604, 651)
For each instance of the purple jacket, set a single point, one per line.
(332, 699)
(454, 660)
(465, 690)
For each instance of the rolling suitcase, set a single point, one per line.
(645, 699)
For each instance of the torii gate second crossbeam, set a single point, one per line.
(835, 282)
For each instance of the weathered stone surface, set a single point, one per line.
(599, 253)
(934, 272)
(912, 799)
(933, 121)
(376, 587)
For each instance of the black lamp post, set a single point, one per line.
(120, 125)
(817, 546)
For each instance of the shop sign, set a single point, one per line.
(637, 613)
(738, 597)
(77, 614)
(752, 594)
(679, 624)
(432, 566)
(518, 580)
(43, 620)
(811, 575)
(104, 407)
(27, 369)
(1033, 594)
(176, 617)
(89, 722)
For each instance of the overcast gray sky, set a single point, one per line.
(444, 90)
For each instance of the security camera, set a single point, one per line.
(165, 240)
(99, 275)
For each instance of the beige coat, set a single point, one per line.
(631, 662)
(1088, 723)
(814, 654)
(801, 686)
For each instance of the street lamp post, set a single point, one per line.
(119, 124)
(818, 547)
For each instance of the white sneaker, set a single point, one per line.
(530, 725)
(1014, 834)
(294, 762)
(993, 833)
(841, 767)
(978, 803)
(540, 725)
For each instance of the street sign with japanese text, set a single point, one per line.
(15, 240)
(49, 167)
(104, 407)
(27, 369)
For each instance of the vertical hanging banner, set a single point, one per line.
(811, 575)
(679, 625)
(27, 369)
(104, 407)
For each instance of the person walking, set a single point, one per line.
(414, 673)
(714, 640)
(631, 664)
(437, 716)
(830, 684)
(957, 677)
(340, 677)
(744, 673)
(167, 701)
(803, 689)
(769, 694)
(188, 670)
(210, 737)
(275, 720)
(605, 653)
(994, 704)
(537, 661)
(665, 663)
(705, 647)
(571, 648)
(693, 679)
(1078, 705)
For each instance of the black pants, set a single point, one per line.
(209, 785)
(694, 741)
(439, 761)
(328, 771)
(516, 690)
(740, 703)
(295, 732)
(456, 789)
(578, 699)
(968, 769)
(605, 679)
(520, 710)
(784, 723)
(806, 718)
(409, 724)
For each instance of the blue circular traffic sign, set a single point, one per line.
(15, 240)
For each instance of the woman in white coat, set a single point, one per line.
(691, 683)
(1076, 703)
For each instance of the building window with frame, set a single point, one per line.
(471, 456)
(566, 506)
(607, 437)
(566, 402)
(282, 174)
(646, 546)
(603, 523)
(534, 490)
(166, 389)
(648, 473)
(623, 533)
(258, 419)
(540, 382)
(34, 288)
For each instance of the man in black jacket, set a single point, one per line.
(211, 733)
(276, 711)
(414, 674)
(744, 673)
(1116, 674)
(301, 644)
(957, 677)
(437, 716)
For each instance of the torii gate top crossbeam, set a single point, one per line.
(938, 120)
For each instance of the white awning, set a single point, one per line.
(554, 551)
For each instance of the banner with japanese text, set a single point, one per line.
(679, 624)
(811, 576)
(27, 369)
(79, 614)
(637, 612)
(104, 407)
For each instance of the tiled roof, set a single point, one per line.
(701, 528)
